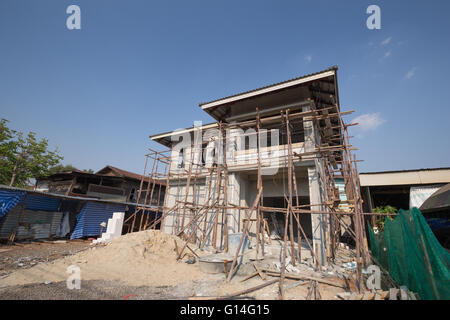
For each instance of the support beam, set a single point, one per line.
(318, 221)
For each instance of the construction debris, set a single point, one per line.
(392, 294)
(236, 294)
(302, 277)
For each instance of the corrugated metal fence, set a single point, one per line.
(42, 215)
(41, 203)
(35, 224)
(40, 218)
(8, 200)
(92, 215)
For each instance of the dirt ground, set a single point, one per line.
(135, 266)
(23, 255)
(117, 290)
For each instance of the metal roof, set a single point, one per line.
(62, 196)
(409, 170)
(120, 175)
(334, 68)
(128, 175)
(405, 177)
(214, 108)
(77, 173)
(165, 137)
(438, 200)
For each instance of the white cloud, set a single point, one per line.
(308, 58)
(386, 41)
(387, 54)
(369, 121)
(411, 73)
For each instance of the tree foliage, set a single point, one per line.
(381, 220)
(23, 157)
(61, 168)
(66, 168)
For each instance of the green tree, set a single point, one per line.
(6, 146)
(381, 220)
(66, 168)
(23, 158)
(61, 168)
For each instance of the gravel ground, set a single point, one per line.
(97, 290)
(117, 290)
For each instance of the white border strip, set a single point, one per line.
(208, 126)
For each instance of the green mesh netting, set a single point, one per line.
(413, 256)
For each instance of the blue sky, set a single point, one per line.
(138, 68)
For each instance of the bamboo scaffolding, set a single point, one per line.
(331, 154)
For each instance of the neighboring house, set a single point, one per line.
(32, 214)
(317, 92)
(402, 189)
(411, 188)
(108, 183)
(77, 200)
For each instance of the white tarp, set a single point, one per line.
(64, 226)
(418, 195)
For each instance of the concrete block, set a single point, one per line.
(113, 228)
(109, 226)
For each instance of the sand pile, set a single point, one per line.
(139, 247)
(141, 258)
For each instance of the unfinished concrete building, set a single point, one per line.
(265, 168)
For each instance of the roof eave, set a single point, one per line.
(270, 88)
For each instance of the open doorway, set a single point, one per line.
(276, 220)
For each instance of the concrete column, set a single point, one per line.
(316, 189)
(197, 146)
(174, 159)
(209, 158)
(318, 221)
(170, 201)
(235, 188)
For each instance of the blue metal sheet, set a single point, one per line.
(90, 217)
(37, 202)
(9, 199)
(438, 223)
(66, 197)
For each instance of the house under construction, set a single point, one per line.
(266, 168)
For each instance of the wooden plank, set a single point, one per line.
(176, 246)
(261, 274)
(250, 276)
(238, 293)
(302, 277)
(244, 234)
(295, 284)
(192, 251)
